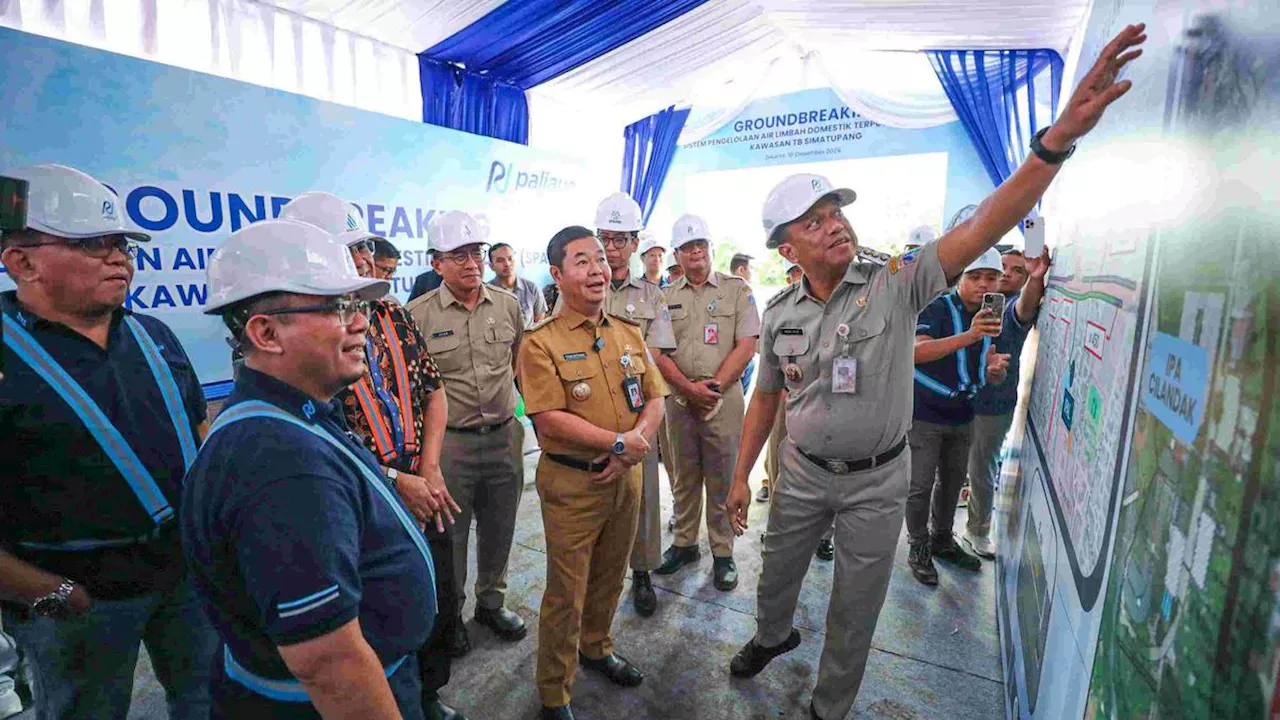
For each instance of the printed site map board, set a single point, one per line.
(1139, 568)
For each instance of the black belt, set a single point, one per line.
(577, 464)
(844, 467)
(481, 429)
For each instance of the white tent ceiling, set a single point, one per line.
(722, 37)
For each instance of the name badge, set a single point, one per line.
(844, 375)
(711, 334)
(791, 331)
(442, 333)
(575, 356)
(676, 306)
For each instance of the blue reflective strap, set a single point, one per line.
(290, 691)
(92, 544)
(95, 421)
(934, 385)
(962, 355)
(259, 409)
(388, 402)
(168, 390)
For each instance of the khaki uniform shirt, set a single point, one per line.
(878, 306)
(560, 369)
(474, 350)
(724, 302)
(643, 303)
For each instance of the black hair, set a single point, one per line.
(555, 248)
(739, 260)
(236, 316)
(18, 238)
(495, 248)
(384, 250)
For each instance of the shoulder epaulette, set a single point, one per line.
(541, 324)
(784, 293)
(626, 320)
(424, 297)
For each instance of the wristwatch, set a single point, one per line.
(1047, 155)
(392, 475)
(619, 445)
(54, 605)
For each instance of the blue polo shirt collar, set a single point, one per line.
(255, 385)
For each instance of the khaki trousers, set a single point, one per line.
(867, 508)
(485, 475)
(646, 555)
(589, 529)
(989, 432)
(776, 436)
(704, 454)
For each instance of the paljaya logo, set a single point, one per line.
(501, 174)
(108, 210)
(817, 185)
(615, 217)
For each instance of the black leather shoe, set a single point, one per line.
(677, 557)
(826, 550)
(726, 574)
(615, 667)
(948, 549)
(642, 594)
(920, 560)
(557, 713)
(504, 623)
(752, 658)
(460, 644)
(436, 710)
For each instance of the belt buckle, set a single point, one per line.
(839, 467)
(484, 429)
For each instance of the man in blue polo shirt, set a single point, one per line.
(316, 576)
(101, 413)
(955, 356)
(1022, 283)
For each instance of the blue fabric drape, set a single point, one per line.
(529, 42)
(456, 98)
(651, 146)
(984, 87)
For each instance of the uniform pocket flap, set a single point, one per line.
(442, 342)
(571, 368)
(790, 345)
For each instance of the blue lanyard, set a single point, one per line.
(967, 386)
(389, 403)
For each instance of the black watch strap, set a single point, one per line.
(1047, 155)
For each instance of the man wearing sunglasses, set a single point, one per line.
(314, 571)
(397, 412)
(473, 331)
(101, 414)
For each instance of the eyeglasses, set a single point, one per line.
(617, 241)
(460, 258)
(346, 309)
(99, 248)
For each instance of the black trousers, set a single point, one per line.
(433, 658)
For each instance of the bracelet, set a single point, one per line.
(1050, 156)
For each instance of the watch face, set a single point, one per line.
(50, 607)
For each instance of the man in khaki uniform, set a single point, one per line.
(841, 343)
(716, 325)
(596, 399)
(472, 331)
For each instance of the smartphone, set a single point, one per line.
(13, 204)
(995, 303)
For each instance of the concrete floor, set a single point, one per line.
(935, 653)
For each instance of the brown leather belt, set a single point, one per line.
(844, 467)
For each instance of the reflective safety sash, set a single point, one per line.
(259, 409)
(391, 421)
(967, 386)
(96, 422)
(290, 691)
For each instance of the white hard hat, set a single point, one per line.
(989, 260)
(284, 256)
(793, 197)
(67, 203)
(330, 213)
(649, 242)
(922, 235)
(619, 213)
(687, 229)
(453, 230)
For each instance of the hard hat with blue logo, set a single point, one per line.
(330, 213)
(619, 213)
(67, 203)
